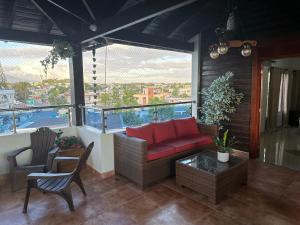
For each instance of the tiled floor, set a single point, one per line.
(272, 197)
(281, 147)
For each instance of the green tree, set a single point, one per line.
(56, 97)
(116, 100)
(88, 87)
(130, 118)
(128, 98)
(3, 81)
(163, 112)
(175, 91)
(104, 99)
(22, 90)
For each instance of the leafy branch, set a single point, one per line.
(61, 50)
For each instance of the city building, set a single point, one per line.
(7, 98)
(150, 93)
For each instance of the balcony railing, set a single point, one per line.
(14, 119)
(117, 118)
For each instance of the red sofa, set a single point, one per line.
(146, 154)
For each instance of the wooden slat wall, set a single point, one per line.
(242, 68)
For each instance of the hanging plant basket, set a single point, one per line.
(61, 50)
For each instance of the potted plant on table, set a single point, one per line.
(224, 145)
(69, 146)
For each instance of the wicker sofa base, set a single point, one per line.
(130, 154)
(154, 171)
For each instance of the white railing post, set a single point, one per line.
(103, 121)
(14, 122)
(69, 117)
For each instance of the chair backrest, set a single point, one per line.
(83, 158)
(41, 143)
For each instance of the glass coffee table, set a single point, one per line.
(202, 172)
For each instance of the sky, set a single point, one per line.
(125, 64)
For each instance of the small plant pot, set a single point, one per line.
(223, 156)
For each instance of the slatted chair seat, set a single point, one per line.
(58, 183)
(53, 185)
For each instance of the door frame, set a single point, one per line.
(275, 48)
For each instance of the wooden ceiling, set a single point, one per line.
(169, 24)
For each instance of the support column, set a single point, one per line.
(76, 83)
(196, 73)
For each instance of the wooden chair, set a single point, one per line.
(58, 183)
(43, 152)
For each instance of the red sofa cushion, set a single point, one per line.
(143, 132)
(158, 151)
(182, 144)
(163, 131)
(186, 127)
(199, 140)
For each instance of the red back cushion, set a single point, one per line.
(143, 132)
(163, 131)
(185, 127)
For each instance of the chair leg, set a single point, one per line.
(67, 195)
(80, 184)
(26, 198)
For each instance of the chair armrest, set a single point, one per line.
(34, 176)
(211, 130)
(54, 150)
(17, 152)
(51, 155)
(62, 159)
(130, 148)
(11, 156)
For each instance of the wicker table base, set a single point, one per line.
(214, 182)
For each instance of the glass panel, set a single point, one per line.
(129, 118)
(208, 162)
(120, 119)
(174, 112)
(93, 118)
(6, 122)
(51, 117)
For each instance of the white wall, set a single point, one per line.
(11, 142)
(101, 159)
(102, 156)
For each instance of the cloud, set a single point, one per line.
(124, 64)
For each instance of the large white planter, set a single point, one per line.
(223, 157)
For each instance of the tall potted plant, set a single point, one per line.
(220, 100)
(224, 145)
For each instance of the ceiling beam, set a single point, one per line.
(28, 37)
(11, 11)
(173, 19)
(208, 15)
(146, 40)
(134, 15)
(46, 25)
(74, 8)
(88, 8)
(66, 23)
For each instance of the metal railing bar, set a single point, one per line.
(135, 106)
(146, 106)
(35, 107)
